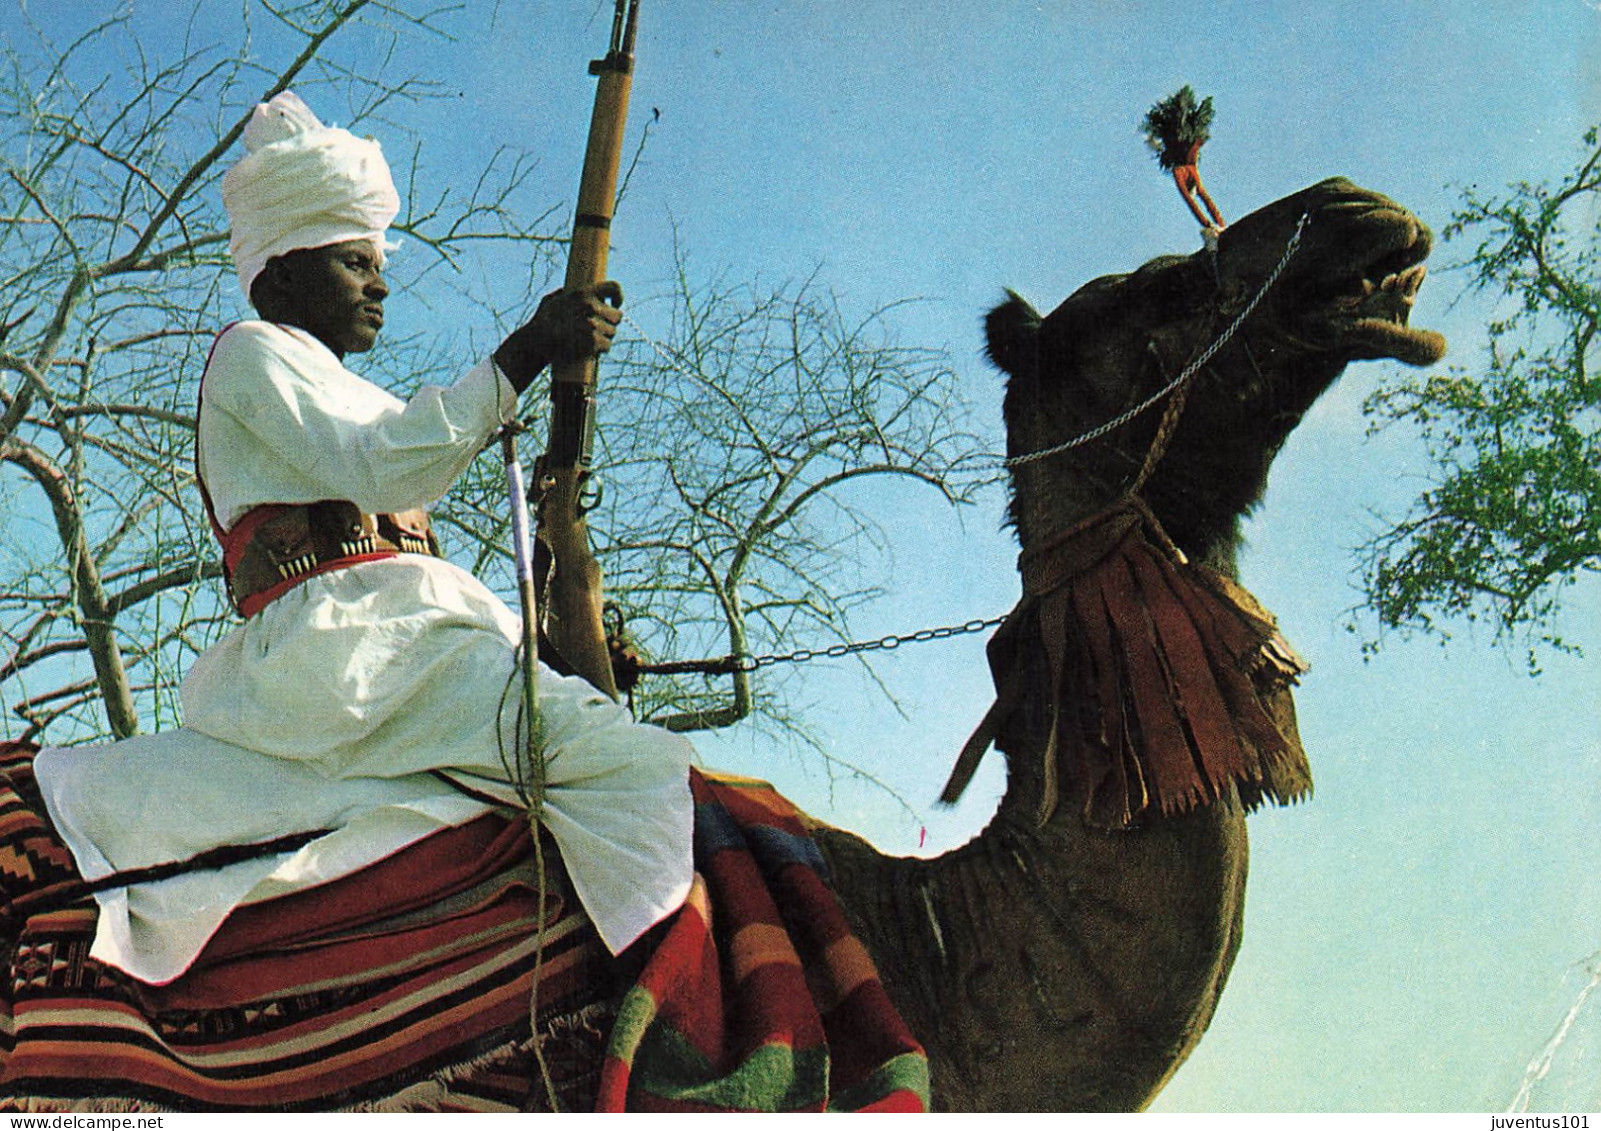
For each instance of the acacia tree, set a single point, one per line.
(114, 277)
(1512, 519)
(743, 476)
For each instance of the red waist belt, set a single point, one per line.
(274, 548)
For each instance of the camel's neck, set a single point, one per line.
(1035, 943)
(1210, 472)
(1208, 536)
(1024, 960)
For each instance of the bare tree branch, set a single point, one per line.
(95, 615)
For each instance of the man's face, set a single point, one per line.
(336, 293)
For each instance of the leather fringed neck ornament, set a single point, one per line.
(1164, 682)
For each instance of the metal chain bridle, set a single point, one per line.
(727, 665)
(1189, 371)
(744, 662)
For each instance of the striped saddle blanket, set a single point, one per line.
(407, 986)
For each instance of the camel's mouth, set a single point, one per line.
(1367, 311)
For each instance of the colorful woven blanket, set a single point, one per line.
(406, 986)
(759, 997)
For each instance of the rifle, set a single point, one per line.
(565, 464)
(563, 470)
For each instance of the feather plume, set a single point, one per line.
(1178, 125)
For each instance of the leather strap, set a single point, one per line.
(274, 548)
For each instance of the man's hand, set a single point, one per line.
(567, 326)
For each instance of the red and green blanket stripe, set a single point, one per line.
(759, 997)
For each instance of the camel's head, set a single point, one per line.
(1348, 289)
(1344, 295)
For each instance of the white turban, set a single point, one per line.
(303, 184)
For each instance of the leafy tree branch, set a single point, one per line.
(1512, 519)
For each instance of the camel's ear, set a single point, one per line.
(1011, 333)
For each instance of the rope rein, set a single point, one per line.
(670, 358)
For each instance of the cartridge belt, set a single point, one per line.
(275, 547)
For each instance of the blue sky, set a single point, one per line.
(1413, 931)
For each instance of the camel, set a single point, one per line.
(1062, 967)
(1064, 960)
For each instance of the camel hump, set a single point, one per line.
(1011, 332)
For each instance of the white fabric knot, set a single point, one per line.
(303, 184)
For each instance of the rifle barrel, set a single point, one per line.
(573, 384)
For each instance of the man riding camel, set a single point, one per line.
(365, 696)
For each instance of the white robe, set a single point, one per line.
(332, 707)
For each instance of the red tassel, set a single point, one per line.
(1162, 677)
